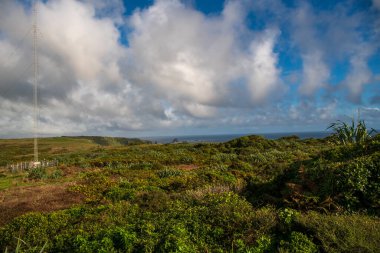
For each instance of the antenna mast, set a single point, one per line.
(35, 80)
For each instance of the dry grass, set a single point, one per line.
(200, 193)
(46, 198)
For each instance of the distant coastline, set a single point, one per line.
(228, 137)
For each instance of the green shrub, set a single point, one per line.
(169, 173)
(56, 174)
(263, 244)
(186, 160)
(176, 239)
(122, 239)
(140, 166)
(37, 173)
(32, 228)
(154, 200)
(342, 233)
(94, 186)
(240, 165)
(298, 243)
(138, 203)
(287, 216)
(117, 193)
(359, 183)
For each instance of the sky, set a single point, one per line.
(185, 67)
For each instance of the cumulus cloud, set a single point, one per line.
(315, 71)
(180, 64)
(192, 60)
(359, 75)
(328, 38)
(171, 66)
(78, 54)
(261, 67)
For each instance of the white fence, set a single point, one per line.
(21, 166)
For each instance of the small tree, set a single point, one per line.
(354, 133)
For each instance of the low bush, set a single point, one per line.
(247, 195)
(37, 173)
(56, 174)
(298, 243)
(168, 173)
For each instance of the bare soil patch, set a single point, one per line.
(46, 198)
(187, 167)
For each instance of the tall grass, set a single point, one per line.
(19, 249)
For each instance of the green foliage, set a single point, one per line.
(353, 133)
(354, 183)
(168, 173)
(94, 186)
(359, 181)
(37, 173)
(247, 195)
(120, 193)
(177, 239)
(342, 233)
(288, 216)
(56, 174)
(298, 243)
(22, 246)
(263, 244)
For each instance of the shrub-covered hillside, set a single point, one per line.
(247, 195)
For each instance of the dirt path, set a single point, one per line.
(45, 198)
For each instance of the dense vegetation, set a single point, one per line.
(246, 195)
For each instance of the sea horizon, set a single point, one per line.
(196, 138)
(217, 138)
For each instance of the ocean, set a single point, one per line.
(228, 137)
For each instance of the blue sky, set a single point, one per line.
(165, 67)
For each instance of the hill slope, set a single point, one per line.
(247, 195)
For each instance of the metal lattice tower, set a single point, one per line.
(35, 81)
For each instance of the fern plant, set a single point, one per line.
(351, 133)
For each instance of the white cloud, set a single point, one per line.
(87, 44)
(188, 58)
(315, 73)
(78, 58)
(181, 68)
(359, 75)
(327, 38)
(261, 67)
(310, 113)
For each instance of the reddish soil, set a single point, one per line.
(187, 167)
(45, 198)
